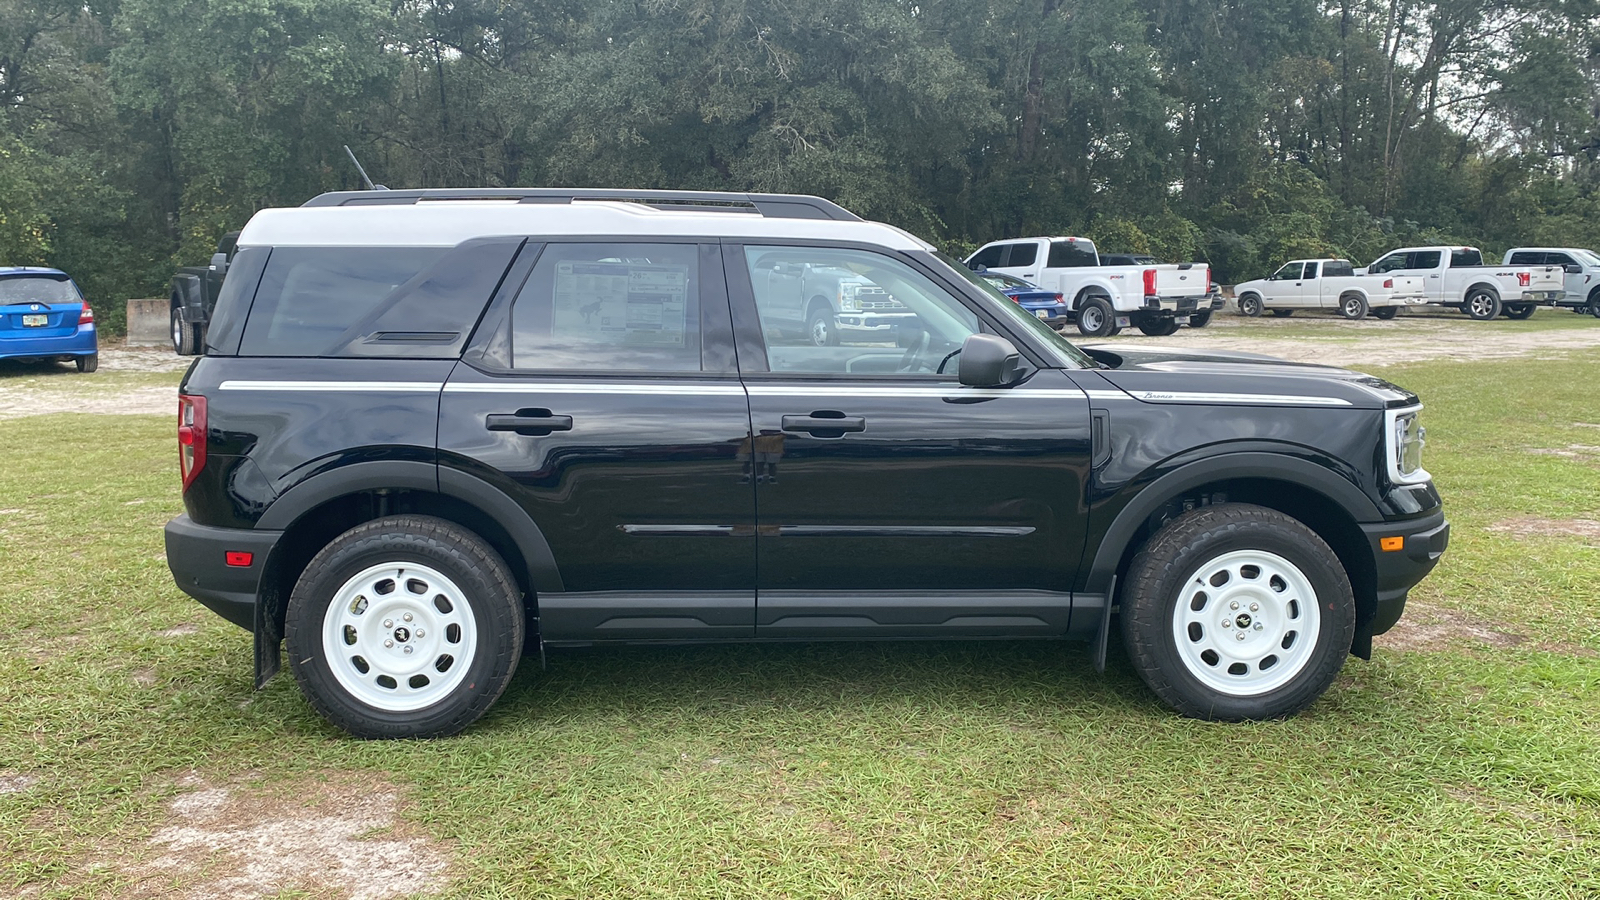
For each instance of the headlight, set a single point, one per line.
(1404, 439)
(848, 302)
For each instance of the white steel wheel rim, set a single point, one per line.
(1246, 623)
(819, 331)
(399, 636)
(1092, 318)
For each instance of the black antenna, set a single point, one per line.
(367, 181)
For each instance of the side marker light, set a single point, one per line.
(1392, 544)
(243, 559)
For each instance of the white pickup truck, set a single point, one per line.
(1329, 284)
(1582, 268)
(1456, 277)
(1103, 300)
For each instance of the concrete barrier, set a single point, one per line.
(148, 322)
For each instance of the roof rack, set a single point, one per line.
(772, 206)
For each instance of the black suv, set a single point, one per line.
(433, 429)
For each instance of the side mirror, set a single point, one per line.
(219, 262)
(1574, 269)
(988, 360)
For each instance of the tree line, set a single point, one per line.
(1243, 132)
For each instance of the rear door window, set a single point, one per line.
(1022, 254)
(1429, 259)
(1458, 259)
(1527, 258)
(609, 307)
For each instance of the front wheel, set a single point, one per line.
(1482, 306)
(1236, 611)
(404, 627)
(1520, 310)
(820, 327)
(1250, 305)
(1386, 312)
(1200, 319)
(1095, 318)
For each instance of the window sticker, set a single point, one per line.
(621, 303)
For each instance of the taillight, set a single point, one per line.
(191, 437)
(1015, 298)
(1149, 282)
(87, 316)
(1388, 282)
(1523, 278)
(1061, 298)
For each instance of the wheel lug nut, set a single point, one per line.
(1233, 605)
(1240, 636)
(1258, 626)
(388, 623)
(409, 648)
(1255, 607)
(421, 633)
(388, 643)
(1225, 623)
(407, 617)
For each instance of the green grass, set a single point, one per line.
(858, 770)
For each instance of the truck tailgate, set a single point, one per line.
(1193, 280)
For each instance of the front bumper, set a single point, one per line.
(82, 342)
(871, 324)
(1422, 541)
(197, 556)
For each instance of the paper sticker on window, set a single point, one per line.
(621, 303)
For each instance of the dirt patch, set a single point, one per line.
(37, 389)
(16, 782)
(338, 839)
(1368, 342)
(1427, 627)
(1538, 526)
(1570, 451)
(183, 630)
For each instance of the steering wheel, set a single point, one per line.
(912, 358)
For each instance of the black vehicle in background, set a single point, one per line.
(194, 296)
(432, 425)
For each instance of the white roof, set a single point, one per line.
(446, 223)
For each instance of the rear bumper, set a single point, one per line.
(1177, 305)
(82, 342)
(197, 556)
(1539, 298)
(1423, 541)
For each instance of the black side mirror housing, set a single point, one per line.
(988, 360)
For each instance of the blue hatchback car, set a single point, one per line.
(43, 316)
(1049, 306)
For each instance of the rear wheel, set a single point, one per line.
(1520, 310)
(1481, 305)
(1236, 611)
(1200, 319)
(1386, 312)
(1158, 327)
(404, 627)
(185, 337)
(87, 364)
(1353, 306)
(1095, 318)
(1283, 313)
(1250, 305)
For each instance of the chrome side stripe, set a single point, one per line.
(954, 393)
(1260, 399)
(385, 387)
(535, 387)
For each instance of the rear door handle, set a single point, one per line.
(824, 424)
(529, 422)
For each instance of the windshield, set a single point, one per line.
(1071, 356)
(16, 289)
(1587, 257)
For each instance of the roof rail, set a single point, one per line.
(772, 206)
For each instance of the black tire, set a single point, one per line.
(185, 337)
(1096, 318)
(1519, 310)
(1481, 305)
(1386, 312)
(1157, 600)
(87, 364)
(1353, 307)
(1157, 326)
(1250, 305)
(1594, 309)
(820, 327)
(1200, 319)
(1283, 313)
(489, 626)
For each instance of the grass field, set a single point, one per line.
(1463, 761)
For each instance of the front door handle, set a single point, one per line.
(824, 424)
(528, 422)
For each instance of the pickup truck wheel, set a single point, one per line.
(1594, 308)
(1158, 327)
(183, 335)
(404, 627)
(1250, 305)
(1481, 305)
(1520, 310)
(1283, 313)
(820, 326)
(1095, 318)
(1386, 312)
(1236, 611)
(1200, 319)
(1353, 306)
